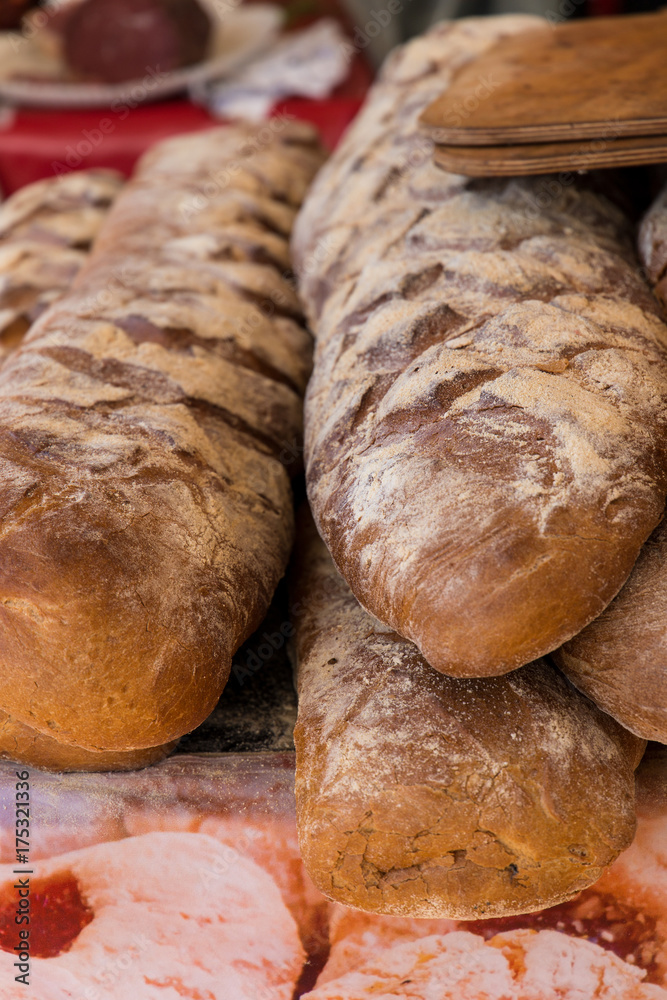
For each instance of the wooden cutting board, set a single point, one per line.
(577, 80)
(548, 158)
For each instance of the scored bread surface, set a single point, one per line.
(46, 231)
(485, 426)
(147, 426)
(424, 795)
(620, 659)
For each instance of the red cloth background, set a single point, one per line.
(40, 143)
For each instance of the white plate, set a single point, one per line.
(240, 34)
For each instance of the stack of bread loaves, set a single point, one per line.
(146, 511)
(486, 455)
(486, 451)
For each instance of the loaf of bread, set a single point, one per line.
(144, 428)
(485, 426)
(424, 795)
(620, 659)
(46, 231)
(118, 40)
(653, 245)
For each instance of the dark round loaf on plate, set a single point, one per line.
(118, 40)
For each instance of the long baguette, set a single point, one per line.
(485, 426)
(46, 232)
(620, 659)
(424, 795)
(145, 500)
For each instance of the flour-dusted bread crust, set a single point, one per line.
(485, 432)
(147, 427)
(620, 659)
(653, 245)
(46, 231)
(424, 795)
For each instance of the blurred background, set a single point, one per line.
(416, 15)
(93, 83)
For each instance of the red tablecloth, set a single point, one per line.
(39, 143)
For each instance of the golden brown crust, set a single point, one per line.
(21, 743)
(428, 796)
(146, 506)
(46, 232)
(620, 659)
(485, 433)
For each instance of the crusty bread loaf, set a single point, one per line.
(485, 426)
(653, 245)
(145, 497)
(46, 231)
(620, 659)
(424, 795)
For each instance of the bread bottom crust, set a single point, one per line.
(28, 746)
